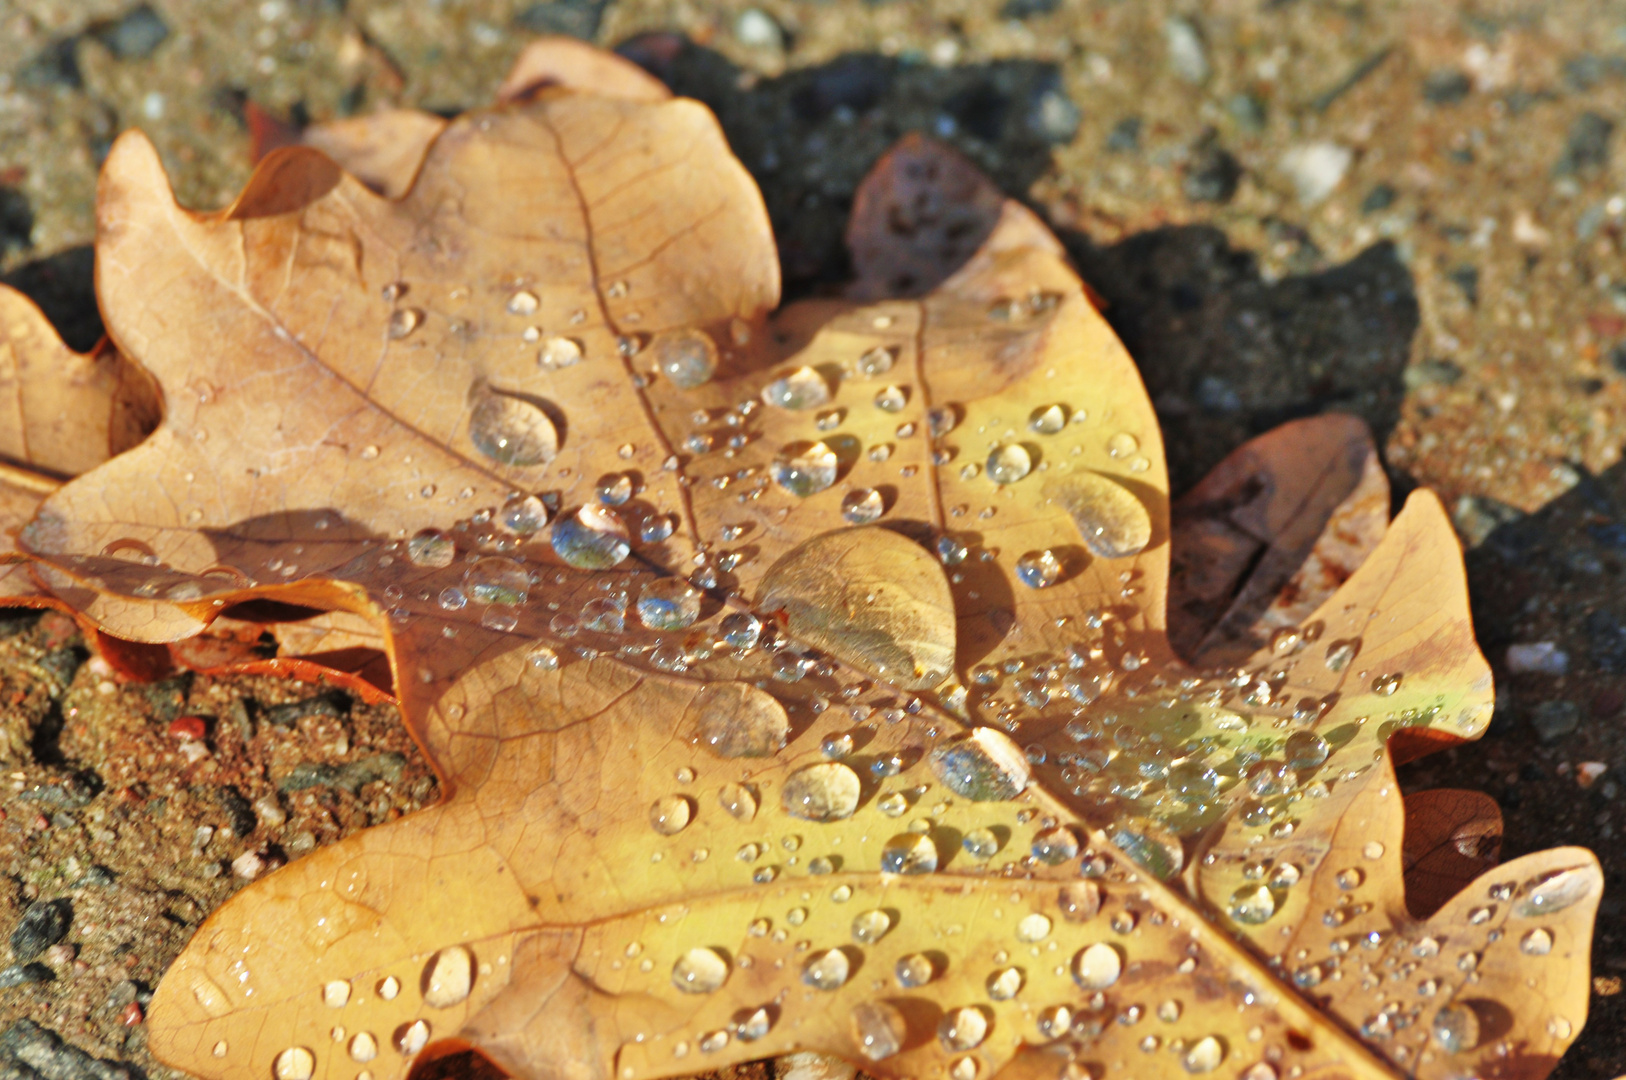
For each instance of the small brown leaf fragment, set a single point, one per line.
(1451, 837)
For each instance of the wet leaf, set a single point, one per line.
(798, 682)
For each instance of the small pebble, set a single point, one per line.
(1537, 657)
(1316, 169)
(1555, 719)
(1188, 56)
(756, 29)
(1587, 773)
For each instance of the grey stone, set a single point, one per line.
(1555, 719)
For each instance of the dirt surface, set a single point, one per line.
(1409, 211)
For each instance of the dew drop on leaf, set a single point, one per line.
(1456, 1028)
(688, 358)
(964, 1028)
(431, 548)
(1112, 521)
(590, 538)
(1305, 750)
(1097, 966)
(805, 469)
(670, 814)
(754, 1026)
(914, 970)
(294, 1063)
(1252, 905)
(738, 800)
(827, 791)
(1033, 928)
(878, 1029)
(862, 506)
(874, 362)
(403, 321)
(700, 971)
(448, 977)
(1122, 444)
(738, 720)
(1004, 984)
(613, 489)
(981, 844)
(559, 352)
(1537, 942)
(363, 1047)
(871, 926)
(802, 388)
(891, 399)
(1009, 463)
(1055, 845)
(542, 658)
(1151, 845)
(1080, 901)
(668, 603)
(1203, 1056)
(511, 430)
(410, 1038)
(827, 970)
(1048, 419)
(336, 993)
(496, 580)
(984, 766)
(1555, 892)
(909, 853)
(1039, 569)
(524, 515)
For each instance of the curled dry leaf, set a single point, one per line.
(797, 683)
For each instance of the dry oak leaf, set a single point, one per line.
(796, 684)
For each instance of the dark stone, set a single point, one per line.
(1555, 719)
(55, 65)
(63, 287)
(61, 664)
(1446, 87)
(1124, 136)
(16, 620)
(1381, 197)
(1212, 174)
(1248, 110)
(1466, 278)
(73, 793)
(21, 974)
(168, 696)
(330, 704)
(1587, 147)
(980, 110)
(1608, 640)
(1582, 73)
(351, 777)
(856, 81)
(578, 18)
(42, 925)
(16, 221)
(239, 811)
(136, 34)
(45, 1055)
(1027, 9)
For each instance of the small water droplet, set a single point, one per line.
(871, 926)
(1122, 445)
(909, 853)
(1252, 905)
(410, 1038)
(878, 1029)
(668, 604)
(403, 321)
(1048, 419)
(964, 1028)
(614, 489)
(542, 658)
(980, 844)
(1055, 845)
(294, 1063)
(862, 506)
(1009, 463)
(700, 971)
(524, 515)
(1039, 569)
(827, 970)
(523, 302)
(1204, 1056)
(559, 352)
(802, 388)
(1080, 901)
(804, 469)
(1537, 942)
(738, 800)
(1004, 984)
(1456, 1028)
(827, 791)
(1097, 966)
(875, 362)
(914, 970)
(984, 766)
(754, 1026)
(336, 994)
(1386, 685)
(688, 358)
(670, 814)
(891, 399)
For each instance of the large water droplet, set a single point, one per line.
(431, 548)
(688, 358)
(1080, 901)
(523, 515)
(448, 977)
(871, 926)
(1033, 927)
(878, 1029)
(862, 506)
(363, 1047)
(671, 814)
(1252, 904)
(590, 538)
(496, 580)
(668, 603)
(870, 598)
(410, 1038)
(736, 719)
(914, 970)
(909, 853)
(803, 388)
(1097, 966)
(1204, 1055)
(1048, 419)
(738, 800)
(1305, 750)
(1039, 569)
(1004, 984)
(1009, 463)
(984, 766)
(511, 430)
(1056, 845)
(980, 844)
(1555, 892)
(700, 971)
(827, 791)
(294, 1063)
(827, 970)
(805, 469)
(1113, 523)
(1456, 1028)
(964, 1028)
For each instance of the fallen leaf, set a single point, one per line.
(795, 684)
(1451, 838)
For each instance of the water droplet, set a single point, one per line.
(803, 388)
(964, 1068)
(741, 630)
(738, 800)
(1204, 1056)
(498, 581)
(688, 358)
(670, 814)
(559, 352)
(1004, 984)
(875, 362)
(827, 791)
(511, 430)
(700, 971)
(1097, 966)
(614, 489)
(1169, 1011)
(980, 844)
(1537, 942)
(1080, 901)
(755, 1026)
(1456, 1028)
(1056, 845)
(950, 551)
(870, 598)
(984, 766)
(1260, 1070)
(668, 604)
(1048, 419)
(403, 321)
(1373, 849)
(862, 506)
(389, 987)
(1009, 463)
(871, 926)
(940, 420)
(892, 804)
(1033, 927)
(736, 719)
(448, 977)
(1151, 845)
(1039, 569)
(1560, 1028)
(590, 538)
(891, 399)
(431, 548)
(363, 1047)
(713, 1041)
(452, 598)
(524, 515)
(827, 970)
(1122, 444)
(914, 970)
(1112, 521)
(1305, 750)
(542, 658)
(1386, 685)
(523, 302)
(909, 853)
(1252, 905)
(805, 469)
(878, 1029)
(410, 1038)
(964, 1028)
(1055, 1022)
(294, 1063)
(1555, 892)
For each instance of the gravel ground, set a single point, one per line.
(1409, 211)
